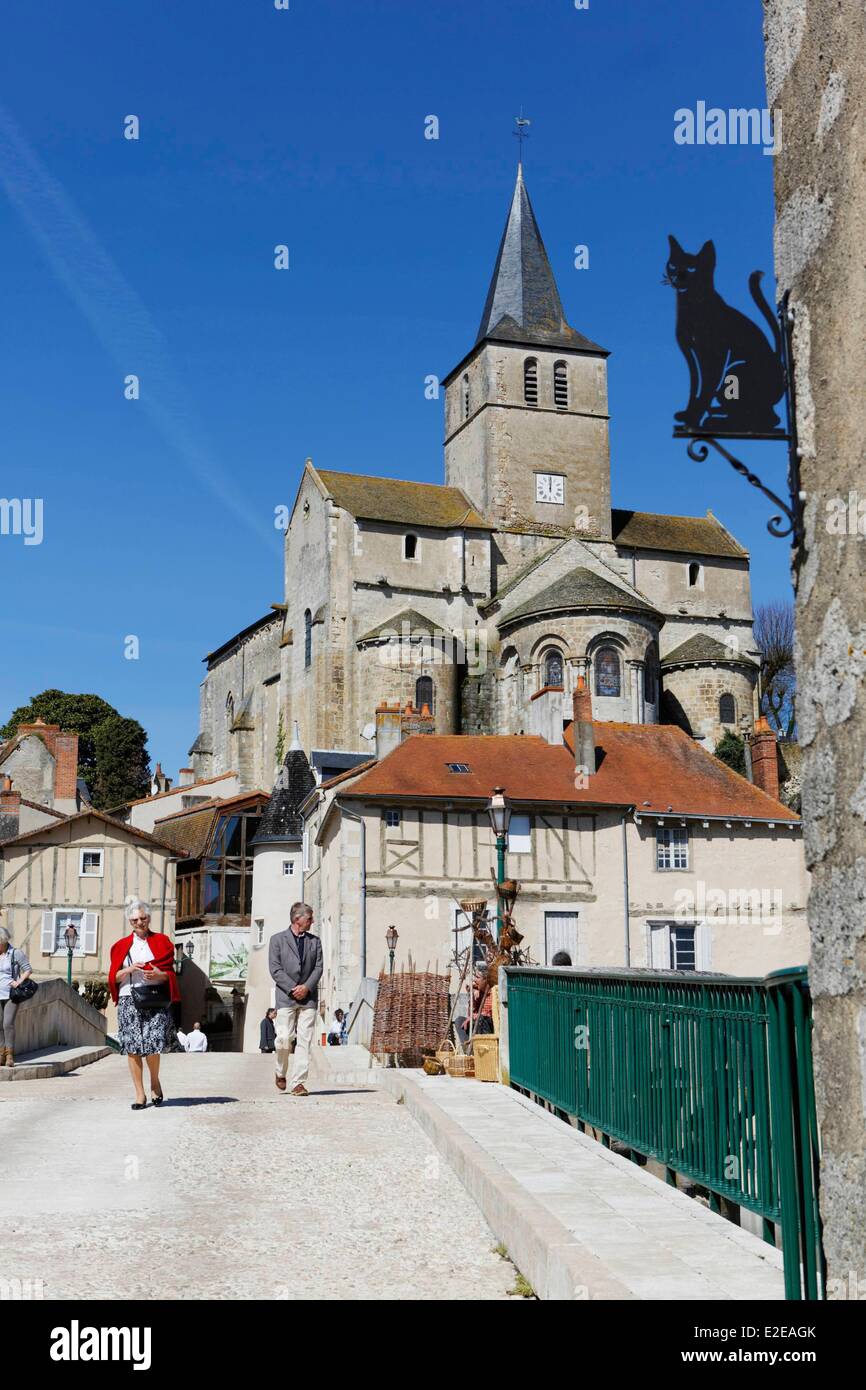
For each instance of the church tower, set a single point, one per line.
(526, 423)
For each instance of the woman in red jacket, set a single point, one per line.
(143, 957)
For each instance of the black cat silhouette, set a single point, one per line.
(735, 376)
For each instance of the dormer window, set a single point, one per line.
(560, 385)
(530, 381)
(410, 547)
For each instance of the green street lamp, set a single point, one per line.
(391, 937)
(71, 936)
(499, 812)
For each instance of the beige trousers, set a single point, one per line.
(298, 1025)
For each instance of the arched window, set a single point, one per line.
(466, 397)
(308, 637)
(560, 385)
(424, 692)
(727, 709)
(230, 709)
(410, 547)
(607, 671)
(530, 381)
(552, 667)
(694, 575)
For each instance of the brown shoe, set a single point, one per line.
(300, 1090)
(280, 1082)
(9, 1059)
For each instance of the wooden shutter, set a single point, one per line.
(659, 946)
(91, 933)
(47, 933)
(703, 946)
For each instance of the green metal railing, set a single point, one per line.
(710, 1075)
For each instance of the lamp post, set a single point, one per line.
(499, 812)
(391, 937)
(71, 936)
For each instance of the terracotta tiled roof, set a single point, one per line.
(405, 503)
(705, 649)
(693, 535)
(113, 824)
(656, 768)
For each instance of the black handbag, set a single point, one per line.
(26, 990)
(149, 999)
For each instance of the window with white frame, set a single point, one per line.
(392, 819)
(55, 922)
(672, 847)
(90, 863)
(519, 835)
(683, 948)
(288, 868)
(679, 946)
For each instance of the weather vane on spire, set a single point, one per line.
(521, 132)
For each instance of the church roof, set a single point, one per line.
(415, 622)
(523, 304)
(702, 648)
(692, 535)
(404, 503)
(580, 588)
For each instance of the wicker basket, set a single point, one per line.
(459, 1065)
(445, 1051)
(485, 1052)
(432, 1066)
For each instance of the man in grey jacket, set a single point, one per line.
(295, 963)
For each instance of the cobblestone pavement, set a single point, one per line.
(231, 1190)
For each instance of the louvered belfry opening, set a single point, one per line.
(560, 386)
(530, 381)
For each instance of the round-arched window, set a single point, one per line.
(651, 676)
(727, 709)
(424, 693)
(552, 667)
(607, 672)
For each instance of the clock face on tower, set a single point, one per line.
(549, 487)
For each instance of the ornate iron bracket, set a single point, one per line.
(700, 444)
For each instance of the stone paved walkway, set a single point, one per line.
(231, 1190)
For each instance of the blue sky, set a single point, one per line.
(306, 127)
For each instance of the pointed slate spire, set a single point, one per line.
(523, 303)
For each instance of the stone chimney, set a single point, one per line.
(185, 777)
(545, 714)
(584, 734)
(389, 728)
(47, 732)
(66, 773)
(417, 721)
(765, 760)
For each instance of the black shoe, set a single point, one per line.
(157, 1100)
(138, 1105)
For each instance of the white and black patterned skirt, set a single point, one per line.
(142, 1034)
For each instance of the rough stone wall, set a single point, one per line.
(250, 749)
(31, 768)
(697, 690)
(815, 61)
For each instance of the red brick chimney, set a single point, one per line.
(65, 771)
(10, 801)
(765, 761)
(47, 732)
(584, 734)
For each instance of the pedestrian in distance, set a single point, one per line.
(335, 1031)
(295, 962)
(143, 985)
(196, 1041)
(15, 968)
(268, 1032)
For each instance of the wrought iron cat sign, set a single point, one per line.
(736, 376)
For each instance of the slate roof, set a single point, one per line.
(657, 768)
(580, 588)
(692, 535)
(404, 503)
(188, 832)
(703, 649)
(523, 304)
(281, 820)
(161, 840)
(415, 620)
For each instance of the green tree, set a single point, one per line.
(730, 749)
(774, 637)
(281, 740)
(112, 760)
